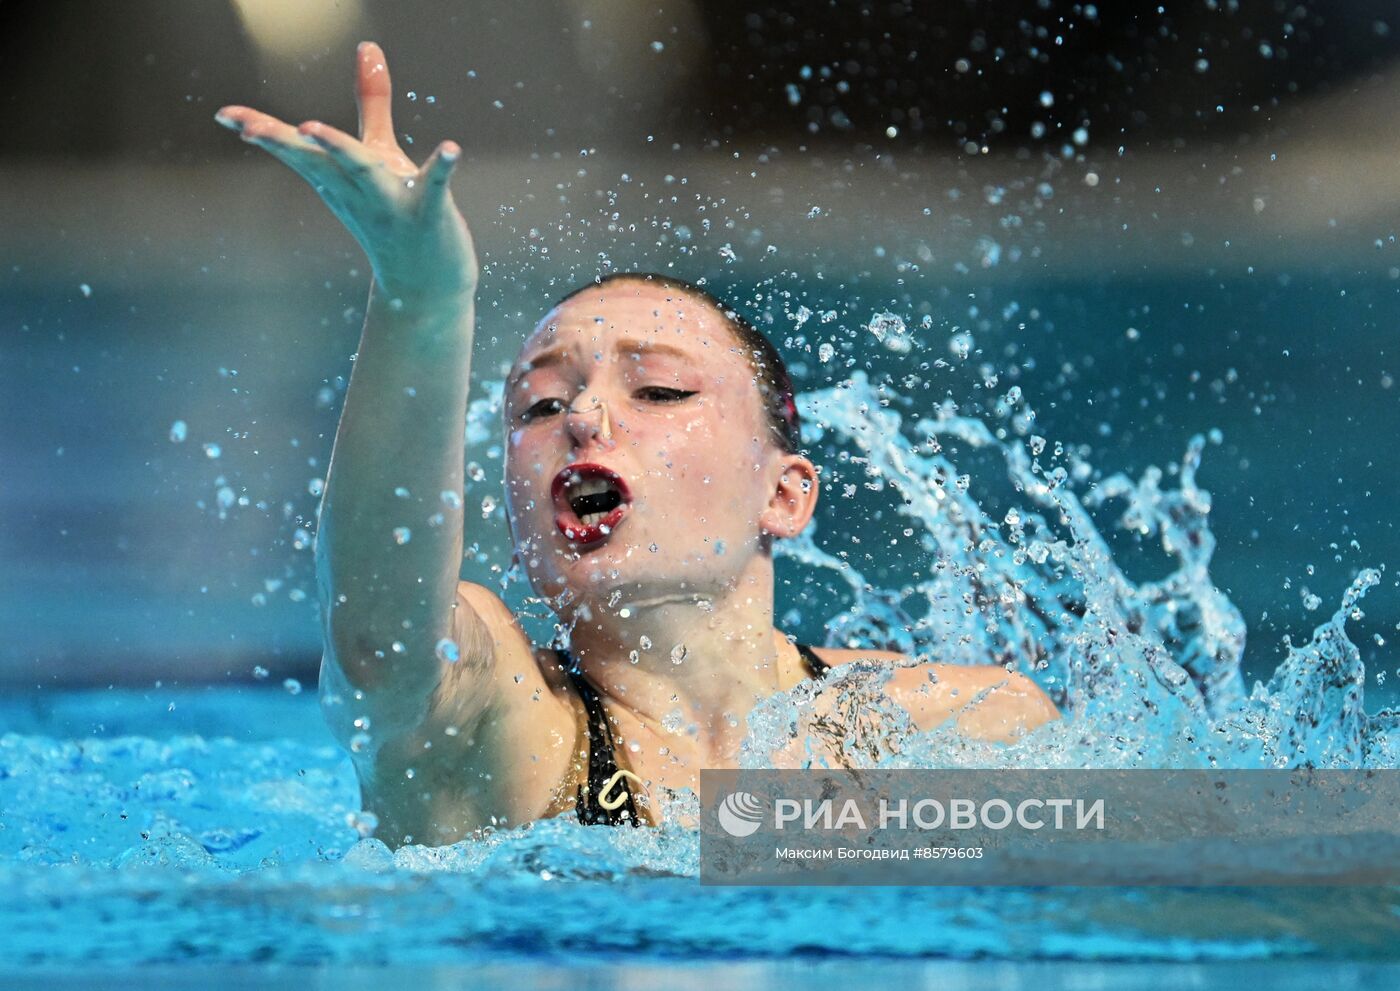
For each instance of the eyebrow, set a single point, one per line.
(555, 355)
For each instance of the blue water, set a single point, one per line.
(232, 846)
(218, 827)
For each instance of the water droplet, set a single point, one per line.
(450, 498)
(401, 492)
(363, 823)
(678, 653)
(960, 344)
(402, 535)
(825, 352)
(316, 486)
(890, 330)
(259, 672)
(212, 450)
(178, 432)
(292, 686)
(644, 642)
(447, 651)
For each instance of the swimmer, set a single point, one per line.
(651, 463)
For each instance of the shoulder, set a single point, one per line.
(985, 701)
(526, 664)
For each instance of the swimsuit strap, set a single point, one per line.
(603, 771)
(816, 667)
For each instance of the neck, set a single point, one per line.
(702, 659)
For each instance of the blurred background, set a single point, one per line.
(1155, 220)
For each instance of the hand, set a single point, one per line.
(402, 215)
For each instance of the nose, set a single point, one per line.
(588, 421)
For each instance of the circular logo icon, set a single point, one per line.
(740, 814)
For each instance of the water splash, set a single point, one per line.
(1148, 674)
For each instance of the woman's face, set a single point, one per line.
(638, 458)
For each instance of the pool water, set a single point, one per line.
(232, 845)
(220, 827)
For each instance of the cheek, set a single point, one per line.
(710, 465)
(728, 444)
(710, 425)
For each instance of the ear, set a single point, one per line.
(793, 499)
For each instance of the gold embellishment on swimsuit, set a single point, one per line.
(614, 803)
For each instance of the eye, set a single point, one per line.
(661, 394)
(542, 408)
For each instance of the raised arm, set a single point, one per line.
(389, 544)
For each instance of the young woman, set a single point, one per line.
(652, 460)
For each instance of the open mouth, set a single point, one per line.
(589, 502)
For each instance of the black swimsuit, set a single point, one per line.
(606, 800)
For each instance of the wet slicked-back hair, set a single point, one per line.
(770, 372)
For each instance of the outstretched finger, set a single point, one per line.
(277, 137)
(286, 144)
(374, 94)
(345, 151)
(437, 172)
(253, 124)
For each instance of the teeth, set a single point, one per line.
(591, 486)
(592, 499)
